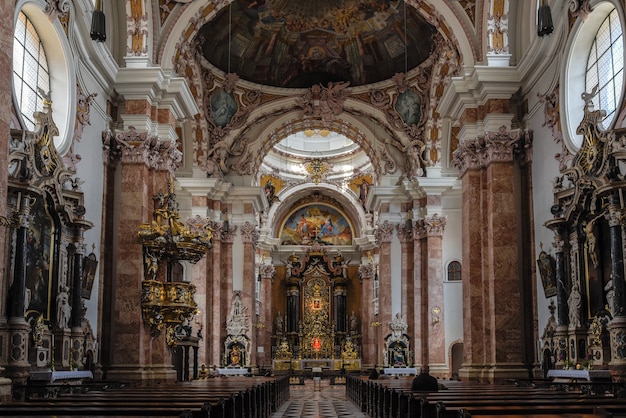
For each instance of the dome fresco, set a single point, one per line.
(289, 43)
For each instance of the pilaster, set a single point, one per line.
(491, 239)
(145, 163)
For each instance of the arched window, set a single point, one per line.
(454, 271)
(597, 42)
(30, 70)
(605, 66)
(41, 54)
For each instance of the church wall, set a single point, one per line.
(452, 291)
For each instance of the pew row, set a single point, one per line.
(236, 397)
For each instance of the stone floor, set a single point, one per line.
(313, 402)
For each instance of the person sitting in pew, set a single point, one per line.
(424, 382)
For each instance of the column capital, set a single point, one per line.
(141, 148)
(249, 233)
(384, 232)
(503, 145)
(405, 231)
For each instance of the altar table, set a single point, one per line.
(589, 375)
(402, 371)
(232, 372)
(52, 376)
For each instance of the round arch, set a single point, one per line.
(264, 129)
(62, 74)
(291, 195)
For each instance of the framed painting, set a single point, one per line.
(90, 265)
(547, 271)
(39, 255)
(316, 223)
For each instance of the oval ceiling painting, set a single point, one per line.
(316, 224)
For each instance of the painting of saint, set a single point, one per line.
(223, 107)
(547, 270)
(38, 256)
(408, 107)
(361, 186)
(316, 223)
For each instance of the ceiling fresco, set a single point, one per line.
(290, 43)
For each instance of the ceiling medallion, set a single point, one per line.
(317, 170)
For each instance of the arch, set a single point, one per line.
(573, 74)
(62, 74)
(384, 156)
(456, 358)
(290, 196)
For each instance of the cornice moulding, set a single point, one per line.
(479, 86)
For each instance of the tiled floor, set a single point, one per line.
(327, 402)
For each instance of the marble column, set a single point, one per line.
(561, 279)
(491, 254)
(617, 327)
(340, 313)
(293, 307)
(250, 236)
(384, 235)
(418, 296)
(18, 329)
(131, 351)
(434, 227)
(225, 281)
(17, 307)
(214, 331)
(267, 279)
(617, 256)
(405, 235)
(370, 325)
(471, 271)
(77, 281)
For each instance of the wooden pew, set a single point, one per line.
(222, 397)
(393, 398)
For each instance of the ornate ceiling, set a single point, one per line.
(296, 44)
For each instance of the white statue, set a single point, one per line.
(237, 322)
(610, 295)
(398, 326)
(574, 302)
(64, 310)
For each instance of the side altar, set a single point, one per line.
(316, 330)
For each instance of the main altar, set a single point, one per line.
(316, 329)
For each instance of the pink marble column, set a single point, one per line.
(405, 234)
(224, 278)
(214, 329)
(129, 351)
(265, 318)
(503, 277)
(384, 234)
(419, 330)
(494, 333)
(434, 227)
(369, 329)
(250, 235)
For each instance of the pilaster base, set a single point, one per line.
(617, 331)
(494, 373)
(141, 375)
(471, 373)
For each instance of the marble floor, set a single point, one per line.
(323, 402)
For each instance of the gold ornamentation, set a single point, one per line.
(317, 170)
